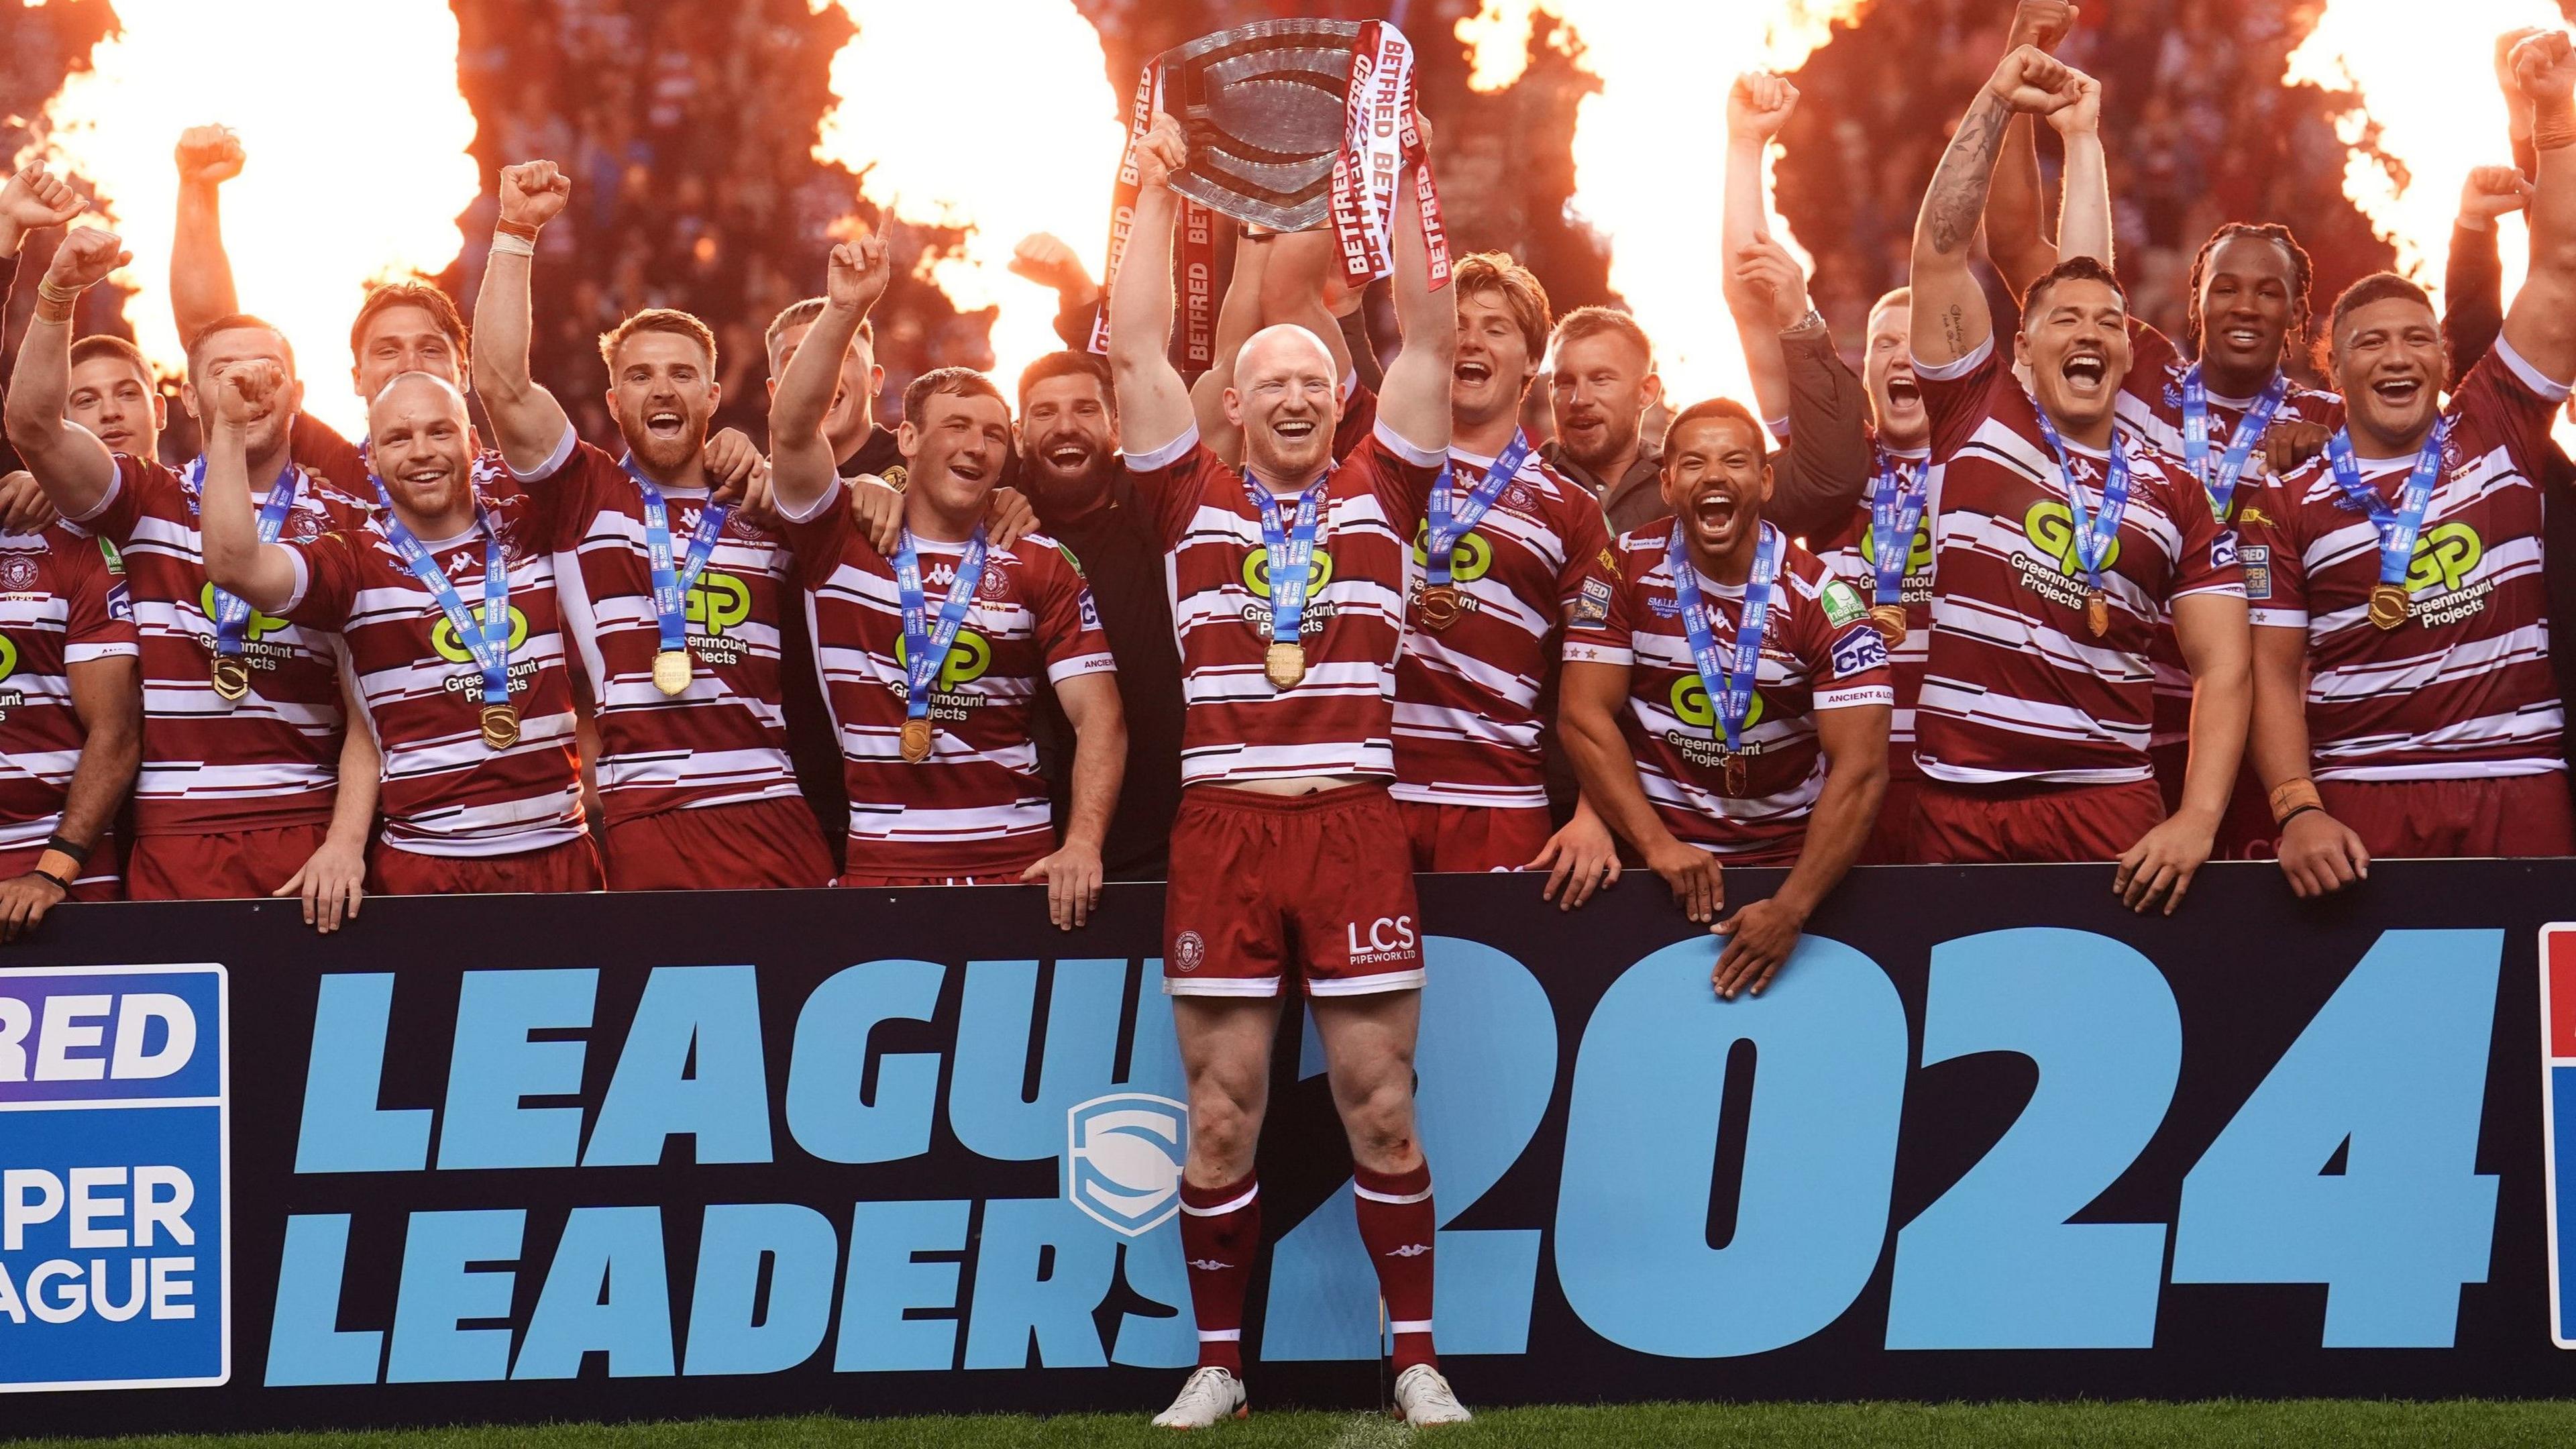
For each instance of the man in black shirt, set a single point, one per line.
(1068, 462)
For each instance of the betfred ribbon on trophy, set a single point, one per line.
(926, 645)
(2094, 531)
(229, 671)
(2398, 527)
(671, 584)
(486, 639)
(1452, 519)
(1729, 685)
(1291, 550)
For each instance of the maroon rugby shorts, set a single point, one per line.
(2033, 824)
(1475, 838)
(227, 865)
(1263, 885)
(2497, 815)
(571, 866)
(754, 845)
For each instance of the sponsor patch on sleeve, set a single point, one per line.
(1610, 561)
(1591, 607)
(1090, 611)
(1858, 652)
(2256, 559)
(1842, 604)
(2222, 550)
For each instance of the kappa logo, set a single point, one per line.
(1189, 951)
(1319, 571)
(2051, 526)
(259, 626)
(1409, 1250)
(1209, 1265)
(1691, 706)
(718, 602)
(1122, 1160)
(442, 636)
(1471, 560)
(2444, 558)
(968, 659)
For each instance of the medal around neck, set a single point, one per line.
(1285, 664)
(1889, 621)
(1439, 608)
(500, 726)
(2097, 612)
(671, 670)
(2388, 608)
(231, 676)
(1737, 775)
(916, 741)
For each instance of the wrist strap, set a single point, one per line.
(2302, 810)
(511, 244)
(2292, 796)
(61, 884)
(519, 229)
(67, 846)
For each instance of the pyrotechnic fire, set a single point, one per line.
(1663, 70)
(1013, 131)
(357, 169)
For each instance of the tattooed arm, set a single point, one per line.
(1950, 319)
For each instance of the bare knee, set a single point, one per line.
(1379, 1121)
(1225, 1127)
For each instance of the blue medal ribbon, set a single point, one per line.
(2220, 483)
(671, 584)
(2093, 531)
(1292, 552)
(488, 640)
(1896, 500)
(232, 613)
(925, 646)
(1730, 690)
(1450, 520)
(2398, 526)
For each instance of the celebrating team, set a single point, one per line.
(2074, 594)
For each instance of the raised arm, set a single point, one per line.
(2473, 277)
(1948, 313)
(1765, 291)
(1415, 401)
(1153, 403)
(527, 422)
(1237, 318)
(2016, 239)
(1299, 280)
(2541, 324)
(201, 275)
(70, 463)
(263, 574)
(801, 465)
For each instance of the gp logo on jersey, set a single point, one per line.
(968, 659)
(8, 657)
(1122, 1160)
(719, 602)
(2051, 526)
(1319, 572)
(1917, 558)
(1471, 560)
(260, 625)
(2444, 558)
(442, 637)
(1691, 706)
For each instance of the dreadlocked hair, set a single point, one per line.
(2302, 273)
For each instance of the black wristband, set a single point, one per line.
(65, 844)
(2285, 820)
(59, 883)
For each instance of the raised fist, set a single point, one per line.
(1759, 105)
(244, 391)
(2033, 82)
(2083, 113)
(2544, 68)
(1161, 153)
(2491, 191)
(2041, 23)
(85, 258)
(855, 274)
(1765, 268)
(2504, 48)
(35, 198)
(1049, 261)
(534, 192)
(208, 155)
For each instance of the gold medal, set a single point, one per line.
(232, 677)
(916, 741)
(1285, 664)
(671, 670)
(1439, 607)
(500, 726)
(2388, 605)
(2097, 612)
(1736, 771)
(1889, 621)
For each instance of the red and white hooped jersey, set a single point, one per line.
(2463, 688)
(2015, 685)
(1848, 554)
(1467, 721)
(62, 603)
(1818, 652)
(721, 741)
(212, 765)
(2150, 405)
(977, 806)
(1339, 720)
(447, 792)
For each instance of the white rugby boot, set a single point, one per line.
(1210, 1397)
(1425, 1398)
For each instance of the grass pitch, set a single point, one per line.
(1763, 1426)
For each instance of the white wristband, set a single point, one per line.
(506, 245)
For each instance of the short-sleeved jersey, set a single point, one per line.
(1467, 697)
(269, 759)
(1818, 652)
(2150, 406)
(1339, 720)
(977, 806)
(446, 791)
(2015, 685)
(62, 603)
(721, 741)
(1849, 555)
(2463, 687)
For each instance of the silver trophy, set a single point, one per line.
(1264, 106)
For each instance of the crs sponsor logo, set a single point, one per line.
(2050, 526)
(442, 636)
(1859, 650)
(968, 659)
(1471, 560)
(1691, 706)
(718, 602)
(2444, 558)
(1189, 951)
(259, 627)
(1122, 1160)
(1319, 571)
(1389, 938)
(2222, 549)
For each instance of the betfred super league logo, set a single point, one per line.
(1122, 1160)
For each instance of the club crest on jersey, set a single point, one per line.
(995, 586)
(18, 573)
(1520, 496)
(1122, 1160)
(1189, 951)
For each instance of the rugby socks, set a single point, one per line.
(1220, 1233)
(1397, 1225)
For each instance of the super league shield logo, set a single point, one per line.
(1122, 1160)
